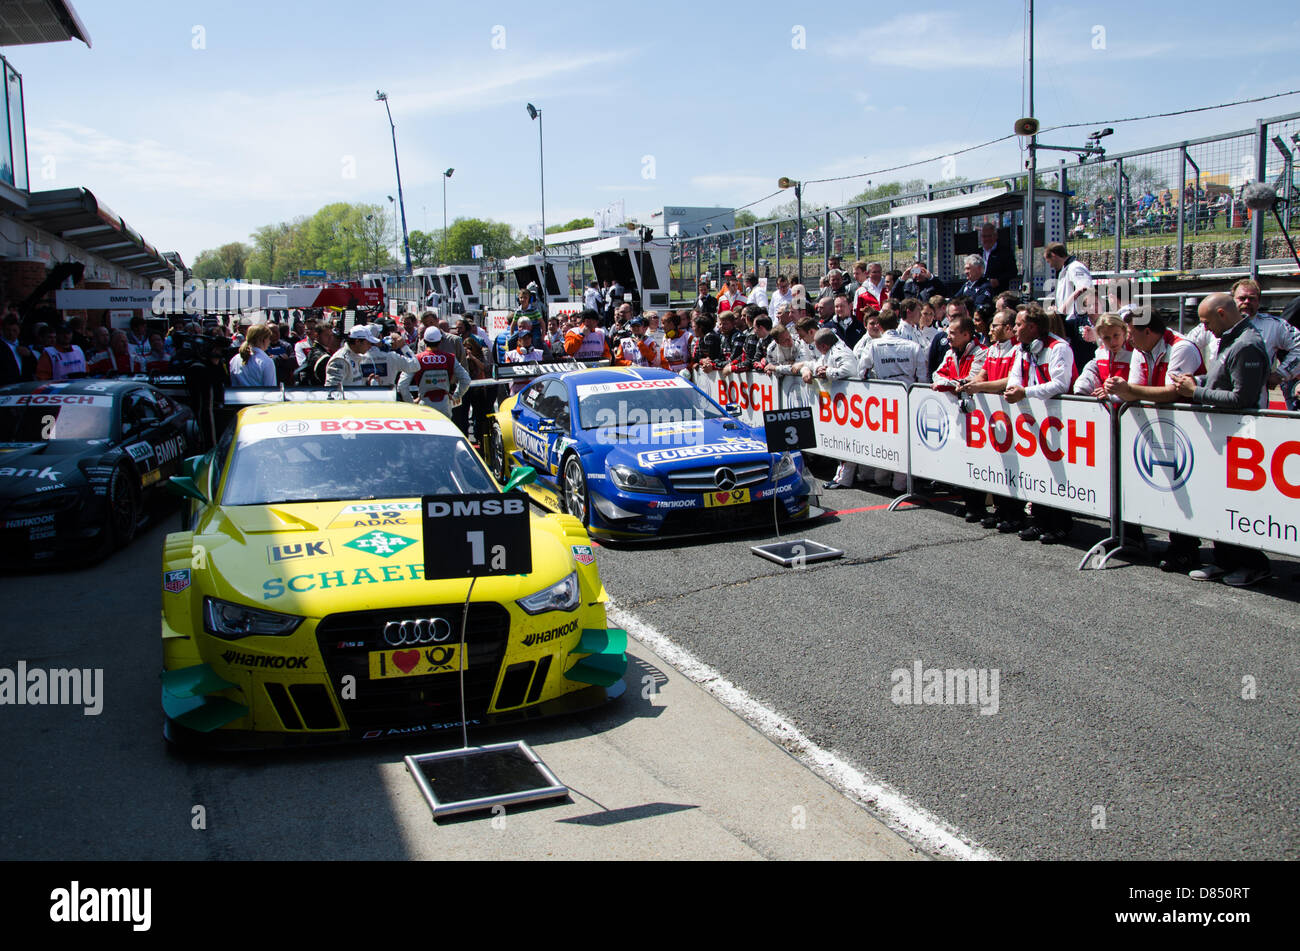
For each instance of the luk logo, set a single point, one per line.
(1163, 456)
(278, 553)
(932, 423)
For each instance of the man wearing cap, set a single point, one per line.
(345, 367)
(523, 352)
(439, 378)
(587, 342)
(637, 350)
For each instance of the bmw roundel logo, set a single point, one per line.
(933, 423)
(1163, 455)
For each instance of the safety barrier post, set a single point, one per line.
(1115, 540)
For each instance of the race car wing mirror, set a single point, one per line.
(549, 426)
(733, 409)
(524, 475)
(185, 486)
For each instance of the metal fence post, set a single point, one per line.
(1119, 214)
(826, 241)
(1182, 207)
(1257, 217)
(857, 230)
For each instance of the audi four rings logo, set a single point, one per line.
(421, 631)
(1163, 455)
(725, 479)
(932, 423)
(293, 428)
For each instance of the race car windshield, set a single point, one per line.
(333, 466)
(675, 404)
(30, 424)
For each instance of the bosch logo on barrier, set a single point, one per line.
(932, 423)
(1163, 456)
(755, 396)
(871, 412)
(1029, 437)
(421, 631)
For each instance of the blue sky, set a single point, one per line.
(198, 122)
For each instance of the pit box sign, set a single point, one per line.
(789, 429)
(472, 536)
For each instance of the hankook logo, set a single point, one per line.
(420, 631)
(1163, 455)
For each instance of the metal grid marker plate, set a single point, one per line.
(480, 777)
(796, 551)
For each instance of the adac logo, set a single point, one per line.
(1163, 455)
(380, 543)
(933, 423)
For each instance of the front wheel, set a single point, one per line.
(576, 499)
(123, 510)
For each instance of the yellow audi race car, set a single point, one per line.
(295, 610)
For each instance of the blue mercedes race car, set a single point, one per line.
(635, 452)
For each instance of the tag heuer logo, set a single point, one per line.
(176, 581)
(583, 554)
(380, 543)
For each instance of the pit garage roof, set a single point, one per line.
(76, 216)
(971, 202)
(24, 22)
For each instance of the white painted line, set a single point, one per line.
(898, 812)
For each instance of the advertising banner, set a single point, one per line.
(1221, 476)
(1057, 452)
(863, 421)
(752, 392)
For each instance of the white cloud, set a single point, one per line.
(957, 40)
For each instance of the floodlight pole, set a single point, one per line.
(406, 241)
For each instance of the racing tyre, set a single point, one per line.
(577, 501)
(123, 509)
(496, 454)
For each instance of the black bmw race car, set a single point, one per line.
(78, 462)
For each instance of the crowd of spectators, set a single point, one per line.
(864, 322)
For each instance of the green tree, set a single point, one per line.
(266, 248)
(424, 247)
(495, 236)
(229, 260)
(573, 225)
(745, 218)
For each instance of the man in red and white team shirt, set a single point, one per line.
(962, 363)
(731, 296)
(1158, 354)
(871, 290)
(1042, 368)
(1009, 514)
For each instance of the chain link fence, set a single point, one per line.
(1171, 208)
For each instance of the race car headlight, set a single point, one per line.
(784, 467)
(561, 596)
(630, 480)
(233, 621)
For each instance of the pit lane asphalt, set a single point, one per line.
(1120, 689)
(664, 772)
